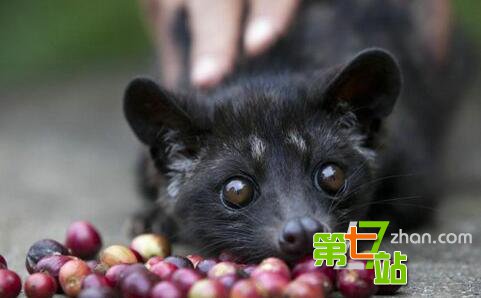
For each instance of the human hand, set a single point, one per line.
(216, 29)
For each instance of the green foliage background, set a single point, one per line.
(62, 36)
(57, 37)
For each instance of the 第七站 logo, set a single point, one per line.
(331, 249)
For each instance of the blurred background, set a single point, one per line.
(66, 152)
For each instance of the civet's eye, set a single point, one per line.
(330, 178)
(237, 192)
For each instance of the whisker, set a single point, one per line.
(380, 179)
(393, 201)
(346, 196)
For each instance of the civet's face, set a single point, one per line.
(270, 163)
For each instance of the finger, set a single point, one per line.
(267, 21)
(440, 25)
(164, 13)
(215, 30)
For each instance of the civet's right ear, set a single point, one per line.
(149, 109)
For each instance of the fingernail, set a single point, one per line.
(258, 36)
(206, 72)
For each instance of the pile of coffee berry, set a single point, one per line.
(147, 269)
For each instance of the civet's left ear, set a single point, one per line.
(368, 85)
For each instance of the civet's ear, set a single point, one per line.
(368, 85)
(149, 109)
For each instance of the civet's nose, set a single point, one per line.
(296, 236)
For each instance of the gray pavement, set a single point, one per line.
(66, 154)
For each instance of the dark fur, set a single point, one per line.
(309, 84)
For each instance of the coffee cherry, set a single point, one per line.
(171, 276)
(3, 263)
(163, 270)
(317, 279)
(271, 284)
(10, 284)
(274, 265)
(71, 276)
(41, 249)
(52, 265)
(98, 293)
(152, 261)
(221, 269)
(299, 289)
(132, 269)
(114, 273)
(207, 288)
(180, 262)
(245, 288)
(40, 285)
(117, 254)
(166, 289)
(151, 245)
(195, 259)
(184, 278)
(228, 280)
(205, 265)
(95, 280)
(139, 257)
(356, 283)
(138, 284)
(83, 240)
(308, 265)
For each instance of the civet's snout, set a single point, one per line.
(296, 236)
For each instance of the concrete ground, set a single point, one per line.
(66, 154)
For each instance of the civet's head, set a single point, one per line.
(259, 166)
